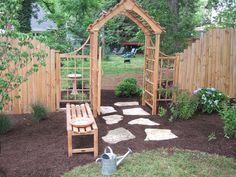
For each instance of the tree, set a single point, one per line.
(179, 19)
(24, 16)
(221, 13)
(12, 58)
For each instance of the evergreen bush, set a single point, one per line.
(39, 111)
(128, 87)
(5, 123)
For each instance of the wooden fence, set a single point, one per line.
(40, 87)
(210, 62)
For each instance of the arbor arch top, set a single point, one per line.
(134, 12)
(149, 26)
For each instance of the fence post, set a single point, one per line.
(176, 77)
(58, 83)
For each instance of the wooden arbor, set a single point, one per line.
(151, 28)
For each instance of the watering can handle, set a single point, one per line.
(98, 159)
(108, 148)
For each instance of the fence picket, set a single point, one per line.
(40, 86)
(210, 62)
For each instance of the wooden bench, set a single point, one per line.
(77, 111)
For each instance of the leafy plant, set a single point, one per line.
(210, 99)
(228, 115)
(212, 136)
(128, 87)
(81, 84)
(162, 111)
(78, 96)
(184, 107)
(40, 112)
(5, 124)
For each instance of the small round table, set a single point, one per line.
(74, 77)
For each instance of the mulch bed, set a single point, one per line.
(34, 150)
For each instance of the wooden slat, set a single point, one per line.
(94, 125)
(149, 104)
(149, 70)
(99, 79)
(149, 59)
(82, 150)
(149, 93)
(78, 111)
(149, 82)
(85, 115)
(64, 55)
(151, 48)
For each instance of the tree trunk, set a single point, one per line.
(174, 8)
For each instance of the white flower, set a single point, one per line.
(216, 102)
(213, 89)
(203, 97)
(196, 91)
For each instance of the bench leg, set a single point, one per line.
(69, 136)
(95, 143)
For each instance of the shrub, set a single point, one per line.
(228, 115)
(131, 80)
(128, 87)
(210, 99)
(81, 84)
(5, 124)
(162, 111)
(78, 96)
(40, 112)
(185, 106)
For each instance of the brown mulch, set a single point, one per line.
(40, 150)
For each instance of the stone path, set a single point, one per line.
(135, 112)
(113, 119)
(107, 109)
(142, 121)
(132, 103)
(159, 134)
(122, 134)
(118, 135)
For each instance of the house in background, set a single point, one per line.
(40, 22)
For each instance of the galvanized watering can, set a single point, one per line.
(110, 161)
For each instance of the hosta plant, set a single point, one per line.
(211, 99)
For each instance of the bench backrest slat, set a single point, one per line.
(78, 111)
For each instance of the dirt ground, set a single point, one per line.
(110, 82)
(40, 150)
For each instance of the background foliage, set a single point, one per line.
(179, 17)
(12, 58)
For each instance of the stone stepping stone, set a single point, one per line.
(118, 135)
(112, 119)
(135, 112)
(132, 103)
(159, 134)
(107, 109)
(142, 121)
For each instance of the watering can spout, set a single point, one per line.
(121, 158)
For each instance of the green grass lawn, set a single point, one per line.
(115, 65)
(163, 163)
